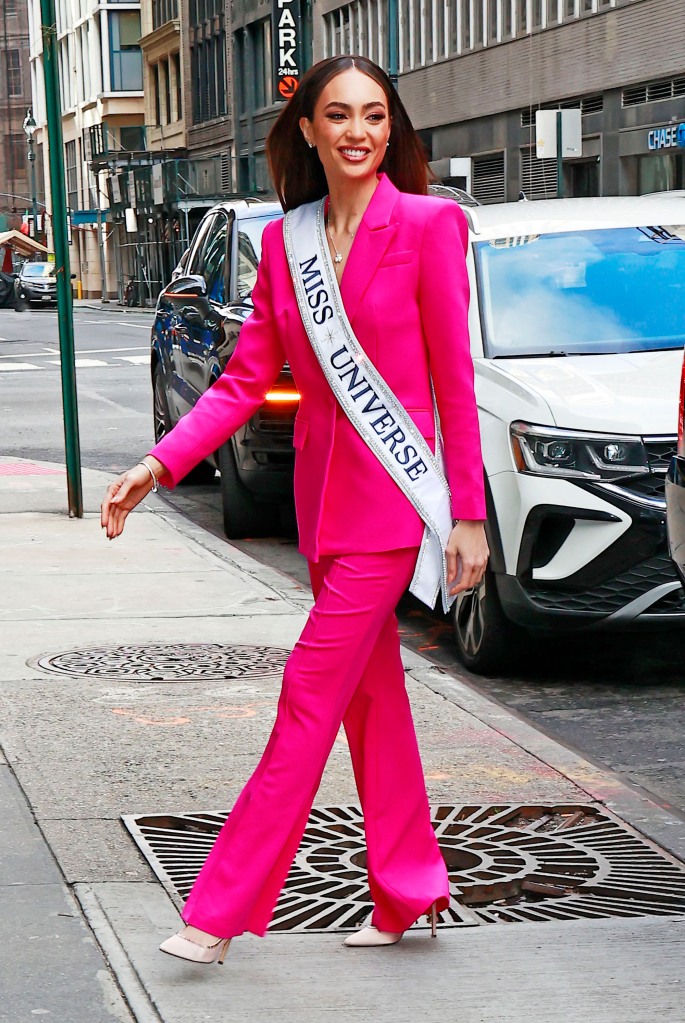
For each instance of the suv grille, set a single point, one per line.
(660, 451)
(615, 593)
(277, 418)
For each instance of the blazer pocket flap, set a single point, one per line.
(425, 420)
(300, 433)
(397, 258)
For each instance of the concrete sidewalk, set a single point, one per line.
(80, 751)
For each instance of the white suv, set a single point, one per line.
(577, 321)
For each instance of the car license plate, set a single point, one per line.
(46, 298)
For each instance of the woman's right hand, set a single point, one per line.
(122, 496)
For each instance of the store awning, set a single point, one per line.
(21, 243)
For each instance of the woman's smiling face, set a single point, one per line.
(350, 127)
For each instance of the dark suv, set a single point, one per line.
(196, 328)
(36, 282)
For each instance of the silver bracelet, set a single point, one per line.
(155, 481)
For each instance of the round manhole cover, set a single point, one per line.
(167, 662)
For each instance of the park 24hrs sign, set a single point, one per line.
(287, 48)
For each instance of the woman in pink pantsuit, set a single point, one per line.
(399, 258)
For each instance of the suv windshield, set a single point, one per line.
(619, 289)
(38, 270)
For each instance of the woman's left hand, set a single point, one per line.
(467, 543)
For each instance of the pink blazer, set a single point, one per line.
(406, 293)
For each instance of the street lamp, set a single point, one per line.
(30, 130)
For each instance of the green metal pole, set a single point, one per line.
(393, 42)
(560, 156)
(65, 312)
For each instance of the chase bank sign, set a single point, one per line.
(667, 138)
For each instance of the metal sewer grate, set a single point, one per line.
(168, 662)
(507, 864)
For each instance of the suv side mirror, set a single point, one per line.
(188, 286)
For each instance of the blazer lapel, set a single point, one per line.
(374, 234)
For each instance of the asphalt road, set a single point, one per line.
(617, 699)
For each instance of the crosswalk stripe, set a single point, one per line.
(81, 363)
(9, 367)
(135, 360)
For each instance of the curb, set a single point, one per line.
(121, 966)
(112, 307)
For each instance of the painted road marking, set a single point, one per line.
(106, 351)
(81, 363)
(135, 360)
(12, 366)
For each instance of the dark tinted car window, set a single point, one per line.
(196, 261)
(250, 233)
(214, 269)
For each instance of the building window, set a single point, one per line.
(132, 138)
(155, 93)
(178, 84)
(126, 59)
(15, 148)
(254, 66)
(507, 19)
(260, 40)
(71, 168)
(360, 28)
(163, 11)
(493, 6)
(207, 59)
(10, 6)
(13, 71)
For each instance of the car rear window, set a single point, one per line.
(618, 289)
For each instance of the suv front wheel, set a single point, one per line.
(487, 641)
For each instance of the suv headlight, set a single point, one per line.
(546, 451)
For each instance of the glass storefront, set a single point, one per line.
(660, 172)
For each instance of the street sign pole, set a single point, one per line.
(393, 42)
(560, 155)
(65, 312)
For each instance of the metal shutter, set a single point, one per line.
(488, 184)
(538, 177)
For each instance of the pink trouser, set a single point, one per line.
(345, 667)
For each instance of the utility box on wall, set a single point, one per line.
(456, 171)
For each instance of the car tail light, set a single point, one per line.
(283, 396)
(681, 412)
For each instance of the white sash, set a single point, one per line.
(372, 408)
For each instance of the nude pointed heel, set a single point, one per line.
(192, 952)
(371, 937)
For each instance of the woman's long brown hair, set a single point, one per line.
(297, 172)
